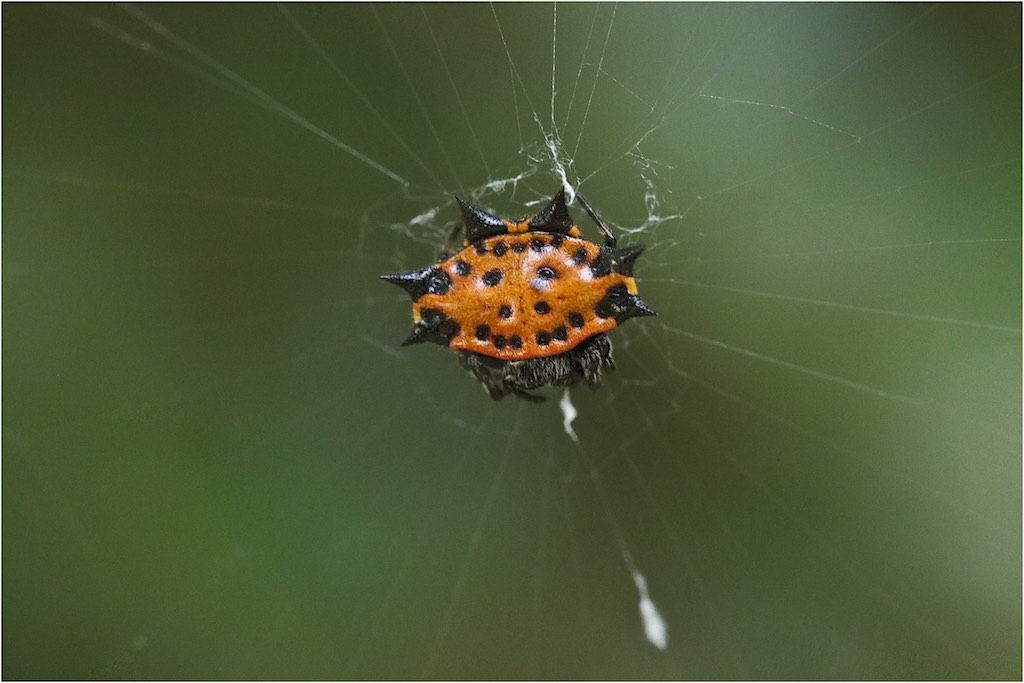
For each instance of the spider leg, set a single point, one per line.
(454, 242)
(594, 357)
(609, 238)
(532, 398)
(485, 372)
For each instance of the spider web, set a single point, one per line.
(220, 463)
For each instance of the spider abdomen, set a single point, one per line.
(522, 291)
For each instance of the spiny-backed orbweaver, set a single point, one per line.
(525, 303)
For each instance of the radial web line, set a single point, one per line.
(847, 307)
(189, 193)
(526, 94)
(870, 51)
(881, 393)
(543, 542)
(655, 626)
(676, 544)
(575, 552)
(750, 40)
(150, 49)
(942, 100)
(322, 53)
(843, 452)
(455, 89)
(857, 200)
(783, 169)
(593, 85)
(832, 554)
(554, 42)
(401, 576)
(269, 101)
(786, 110)
(414, 91)
(627, 89)
(678, 64)
(460, 581)
(513, 76)
(583, 62)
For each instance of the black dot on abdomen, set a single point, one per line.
(437, 282)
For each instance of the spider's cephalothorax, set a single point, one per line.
(525, 303)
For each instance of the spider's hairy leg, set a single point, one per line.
(595, 357)
(609, 239)
(493, 374)
(488, 376)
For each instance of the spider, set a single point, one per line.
(525, 303)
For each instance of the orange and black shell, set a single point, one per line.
(523, 289)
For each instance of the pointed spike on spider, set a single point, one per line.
(479, 224)
(636, 308)
(433, 326)
(430, 280)
(554, 217)
(624, 258)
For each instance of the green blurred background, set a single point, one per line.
(218, 463)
